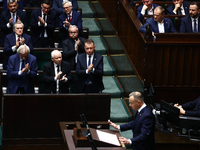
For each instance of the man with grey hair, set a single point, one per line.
(69, 17)
(142, 126)
(21, 70)
(14, 40)
(56, 74)
(9, 17)
(73, 46)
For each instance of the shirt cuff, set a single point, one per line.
(86, 71)
(45, 25)
(174, 12)
(13, 48)
(66, 79)
(118, 127)
(19, 73)
(8, 25)
(55, 78)
(130, 141)
(142, 12)
(39, 24)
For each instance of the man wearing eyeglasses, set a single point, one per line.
(69, 17)
(73, 46)
(43, 23)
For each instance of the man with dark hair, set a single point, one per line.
(9, 17)
(43, 23)
(14, 40)
(73, 46)
(159, 24)
(142, 126)
(22, 69)
(146, 9)
(89, 70)
(69, 17)
(56, 74)
(191, 23)
(19, 2)
(179, 7)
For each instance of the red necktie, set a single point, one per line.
(70, 18)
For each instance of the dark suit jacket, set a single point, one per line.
(143, 130)
(49, 74)
(186, 25)
(20, 3)
(140, 16)
(76, 20)
(69, 52)
(32, 3)
(57, 6)
(14, 78)
(168, 25)
(4, 19)
(195, 105)
(11, 41)
(186, 6)
(96, 77)
(37, 30)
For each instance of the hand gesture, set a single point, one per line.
(112, 124)
(176, 7)
(144, 8)
(78, 42)
(10, 21)
(58, 75)
(63, 78)
(124, 140)
(22, 41)
(41, 20)
(90, 67)
(67, 24)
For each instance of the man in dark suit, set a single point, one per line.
(67, 18)
(73, 46)
(56, 74)
(146, 9)
(159, 24)
(22, 69)
(191, 23)
(58, 6)
(43, 23)
(9, 17)
(178, 8)
(186, 109)
(14, 40)
(142, 126)
(19, 2)
(89, 70)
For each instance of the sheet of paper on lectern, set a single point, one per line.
(108, 137)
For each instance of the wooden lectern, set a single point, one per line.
(76, 141)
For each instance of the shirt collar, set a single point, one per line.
(144, 105)
(195, 19)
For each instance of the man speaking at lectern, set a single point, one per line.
(142, 125)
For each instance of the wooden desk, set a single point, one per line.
(171, 141)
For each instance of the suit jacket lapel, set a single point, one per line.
(94, 60)
(138, 116)
(52, 69)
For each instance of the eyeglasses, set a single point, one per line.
(46, 7)
(73, 32)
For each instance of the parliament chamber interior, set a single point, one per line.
(165, 69)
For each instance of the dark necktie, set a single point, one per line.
(89, 62)
(179, 11)
(70, 18)
(58, 69)
(195, 26)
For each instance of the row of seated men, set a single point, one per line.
(160, 24)
(43, 21)
(22, 69)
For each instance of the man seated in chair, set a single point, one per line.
(179, 7)
(191, 23)
(159, 24)
(56, 74)
(146, 9)
(21, 70)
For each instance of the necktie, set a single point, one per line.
(179, 11)
(195, 26)
(70, 18)
(89, 62)
(58, 68)
(14, 19)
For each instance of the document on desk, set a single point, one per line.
(108, 137)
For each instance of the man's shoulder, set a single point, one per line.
(35, 11)
(98, 55)
(48, 64)
(12, 57)
(150, 20)
(26, 35)
(76, 13)
(5, 12)
(21, 12)
(32, 57)
(82, 55)
(155, 5)
(186, 18)
(65, 63)
(186, 4)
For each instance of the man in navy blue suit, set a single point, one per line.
(89, 70)
(186, 109)
(9, 17)
(14, 40)
(159, 24)
(67, 18)
(142, 126)
(43, 23)
(58, 6)
(21, 71)
(191, 23)
(56, 74)
(73, 46)
(146, 9)
(178, 8)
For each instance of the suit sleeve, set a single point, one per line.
(33, 69)
(10, 70)
(192, 105)
(68, 51)
(29, 44)
(7, 47)
(47, 77)
(143, 28)
(34, 20)
(139, 15)
(99, 68)
(79, 70)
(55, 6)
(75, 5)
(79, 22)
(3, 22)
(182, 26)
(172, 28)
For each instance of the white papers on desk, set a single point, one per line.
(108, 137)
